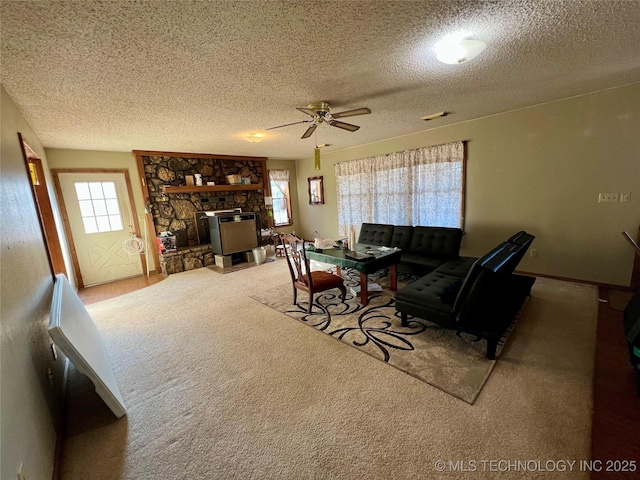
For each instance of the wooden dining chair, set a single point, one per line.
(302, 277)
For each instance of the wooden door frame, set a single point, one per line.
(65, 216)
(44, 209)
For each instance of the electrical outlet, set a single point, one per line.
(607, 198)
(534, 252)
(21, 475)
(625, 197)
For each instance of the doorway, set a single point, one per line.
(99, 218)
(43, 207)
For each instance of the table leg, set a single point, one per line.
(338, 271)
(393, 270)
(364, 293)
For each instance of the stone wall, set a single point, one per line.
(187, 259)
(175, 212)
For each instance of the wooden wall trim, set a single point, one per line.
(151, 153)
(575, 280)
(151, 229)
(67, 229)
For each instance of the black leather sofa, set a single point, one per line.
(423, 248)
(477, 296)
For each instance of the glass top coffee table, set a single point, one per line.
(380, 259)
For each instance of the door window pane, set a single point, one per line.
(96, 189)
(103, 224)
(116, 222)
(90, 225)
(112, 207)
(99, 207)
(86, 208)
(109, 189)
(82, 190)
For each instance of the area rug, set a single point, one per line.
(237, 267)
(455, 363)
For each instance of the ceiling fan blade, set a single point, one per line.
(351, 113)
(310, 131)
(344, 126)
(286, 125)
(308, 111)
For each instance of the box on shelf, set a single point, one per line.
(167, 243)
(223, 261)
(234, 179)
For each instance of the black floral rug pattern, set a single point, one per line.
(454, 363)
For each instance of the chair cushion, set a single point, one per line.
(324, 280)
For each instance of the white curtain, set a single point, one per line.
(414, 187)
(280, 180)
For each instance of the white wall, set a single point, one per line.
(30, 409)
(539, 169)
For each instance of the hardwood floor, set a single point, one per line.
(616, 410)
(616, 405)
(105, 291)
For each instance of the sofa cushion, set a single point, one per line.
(513, 238)
(422, 264)
(423, 298)
(473, 274)
(401, 237)
(375, 234)
(458, 267)
(440, 242)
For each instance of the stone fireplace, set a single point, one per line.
(173, 203)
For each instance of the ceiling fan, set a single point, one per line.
(320, 112)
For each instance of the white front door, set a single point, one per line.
(100, 220)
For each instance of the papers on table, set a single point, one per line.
(384, 249)
(371, 287)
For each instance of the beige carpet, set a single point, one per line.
(237, 267)
(454, 363)
(219, 386)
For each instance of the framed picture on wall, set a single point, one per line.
(316, 191)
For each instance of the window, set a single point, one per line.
(414, 187)
(279, 180)
(99, 206)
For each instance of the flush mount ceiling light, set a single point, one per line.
(254, 137)
(457, 48)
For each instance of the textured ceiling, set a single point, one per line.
(195, 76)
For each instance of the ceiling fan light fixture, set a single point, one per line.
(434, 116)
(455, 50)
(255, 137)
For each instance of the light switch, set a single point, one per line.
(625, 197)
